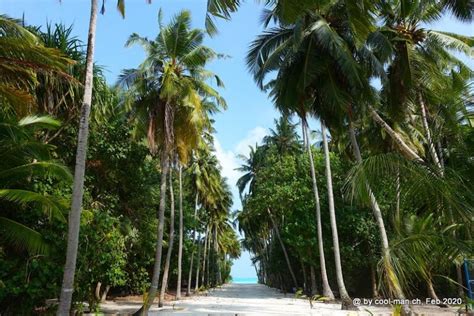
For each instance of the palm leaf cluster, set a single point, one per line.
(23, 60)
(24, 159)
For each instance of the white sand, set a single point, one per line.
(257, 299)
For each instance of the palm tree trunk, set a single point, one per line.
(305, 140)
(346, 300)
(181, 233)
(314, 286)
(431, 290)
(392, 277)
(198, 265)
(143, 311)
(204, 256)
(103, 298)
(97, 290)
(303, 269)
(74, 220)
(373, 281)
(431, 146)
(405, 149)
(440, 153)
(216, 250)
(398, 188)
(164, 282)
(283, 248)
(188, 291)
(327, 292)
(208, 258)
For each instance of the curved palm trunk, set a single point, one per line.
(181, 233)
(431, 289)
(327, 292)
(393, 281)
(74, 221)
(405, 149)
(164, 282)
(346, 300)
(188, 291)
(283, 248)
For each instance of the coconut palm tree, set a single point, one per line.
(166, 92)
(204, 179)
(284, 137)
(250, 168)
(79, 171)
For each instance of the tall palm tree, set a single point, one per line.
(203, 172)
(67, 286)
(332, 215)
(166, 92)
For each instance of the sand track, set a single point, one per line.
(256, 299)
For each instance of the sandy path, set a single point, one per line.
(257, 299)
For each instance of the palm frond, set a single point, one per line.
(23, 237)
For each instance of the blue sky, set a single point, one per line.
(249, 113)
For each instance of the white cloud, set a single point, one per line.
(229, 160)
(253, 137)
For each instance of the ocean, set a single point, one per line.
(245, 280)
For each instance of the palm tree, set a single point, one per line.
(284, 137)
(67, 286)
(332, 214)
(166, 92)
(203, 172)
(250, 167)
(79, 171)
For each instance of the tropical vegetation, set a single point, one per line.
(114, 188)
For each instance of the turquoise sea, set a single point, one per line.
(245, 280)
